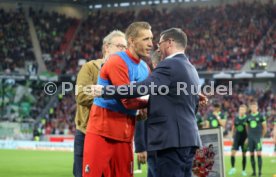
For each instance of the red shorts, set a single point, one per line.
(106, 156)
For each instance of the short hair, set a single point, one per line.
(243, 106)
(107, 39)
(253, 103)
(134, 28)
(177, 34)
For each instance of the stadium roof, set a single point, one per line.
(105, 2)
(90, 1)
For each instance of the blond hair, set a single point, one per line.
(107, 39)
(134, 28)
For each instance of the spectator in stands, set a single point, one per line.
(36, 133)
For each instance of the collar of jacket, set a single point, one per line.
(173, 55)
(98, 63)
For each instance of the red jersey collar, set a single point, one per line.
(135, 60)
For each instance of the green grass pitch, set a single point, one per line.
(28, 163)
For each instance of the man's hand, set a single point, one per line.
(142, 114)
(142, 157)
(203, 100)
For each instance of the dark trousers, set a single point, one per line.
(78, 153)
(152, 162)
(175, 162)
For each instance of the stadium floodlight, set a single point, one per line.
(98, 6)
(143, 3)
(156, 2)
(124, 4)
(263, 63)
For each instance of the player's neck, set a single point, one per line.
(133, 53)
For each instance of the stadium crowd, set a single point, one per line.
(15, 43)
(51, 31)
(60, 118)
(217, 40)
(268, 46)
(22, 100)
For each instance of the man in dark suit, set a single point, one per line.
(171, 126)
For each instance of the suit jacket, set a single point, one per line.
(171, 117)
(139, 136)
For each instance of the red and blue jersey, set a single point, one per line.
(112, 118)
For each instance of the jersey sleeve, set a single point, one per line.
(263, 119)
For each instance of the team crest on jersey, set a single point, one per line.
(87, 168)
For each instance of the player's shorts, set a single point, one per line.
(239, 141)
(104, 156)
(254, 144)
